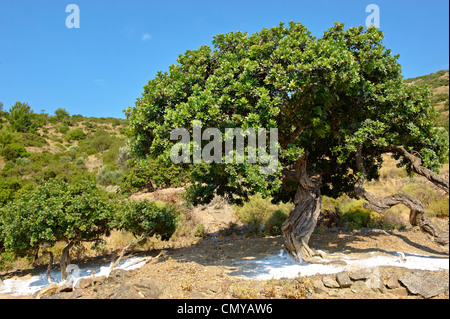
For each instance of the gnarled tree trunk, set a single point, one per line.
(49, 268)
(65, 260)
(302, 220)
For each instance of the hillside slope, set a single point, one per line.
(438, 82)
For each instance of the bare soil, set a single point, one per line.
(208, 268)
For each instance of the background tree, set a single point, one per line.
(339, 103)
(144, 219)
(56, 211)
(21, 118)
(61, 114)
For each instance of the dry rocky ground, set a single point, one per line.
(208, 270)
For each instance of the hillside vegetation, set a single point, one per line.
(439, 86)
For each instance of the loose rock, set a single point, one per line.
(53, 289)
(83, 283)
(143, 289)
(330, 282)
(393, 282)
(343, 280)
(374, 281)
(359, 273)
(400, 291)
(424, 284)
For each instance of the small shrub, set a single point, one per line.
(75, 135)
(29, 139)
(274, 223)
(80, 161)
(144, 218)
(259, 215)
(8, 189)
(91, 151)
(108, 177)
(109, 157)
(102, 141)
(438, 207)
(391, 219)
(60, 146)
(66, 159)
(63, 129)
(45, 174)
(242, 291)
(23, 161)
(123, 157)
(329, 218)
(329, 204)
(13, 151)
(296, 289)
(74, 148)
(357, 216)
(200, 231)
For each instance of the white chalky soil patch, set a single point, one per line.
(24, 287)
(283, 266)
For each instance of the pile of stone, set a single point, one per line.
(115, 286)
(416, 282)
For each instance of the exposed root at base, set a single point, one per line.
(317, 256)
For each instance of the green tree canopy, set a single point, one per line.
(339, 103)
(55, 211)
(61, 114)
(21, 118)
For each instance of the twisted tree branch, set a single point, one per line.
(416, 165)
(380, 205)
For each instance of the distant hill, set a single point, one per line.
(439, 85)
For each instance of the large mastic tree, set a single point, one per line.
(339, 103)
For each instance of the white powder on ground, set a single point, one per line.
(24, 287)
(270, 267)
(283, 266)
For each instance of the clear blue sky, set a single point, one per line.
(100, 68)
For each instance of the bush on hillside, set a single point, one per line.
(75, 135)
(149, 173)
(262, 216)
(13, 151)
(54, 211)
(146, 219)
(357, 217)
(107, 177)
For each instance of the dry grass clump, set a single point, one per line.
(262, 216)
(297, 288)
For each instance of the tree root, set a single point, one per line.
(306, 254)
